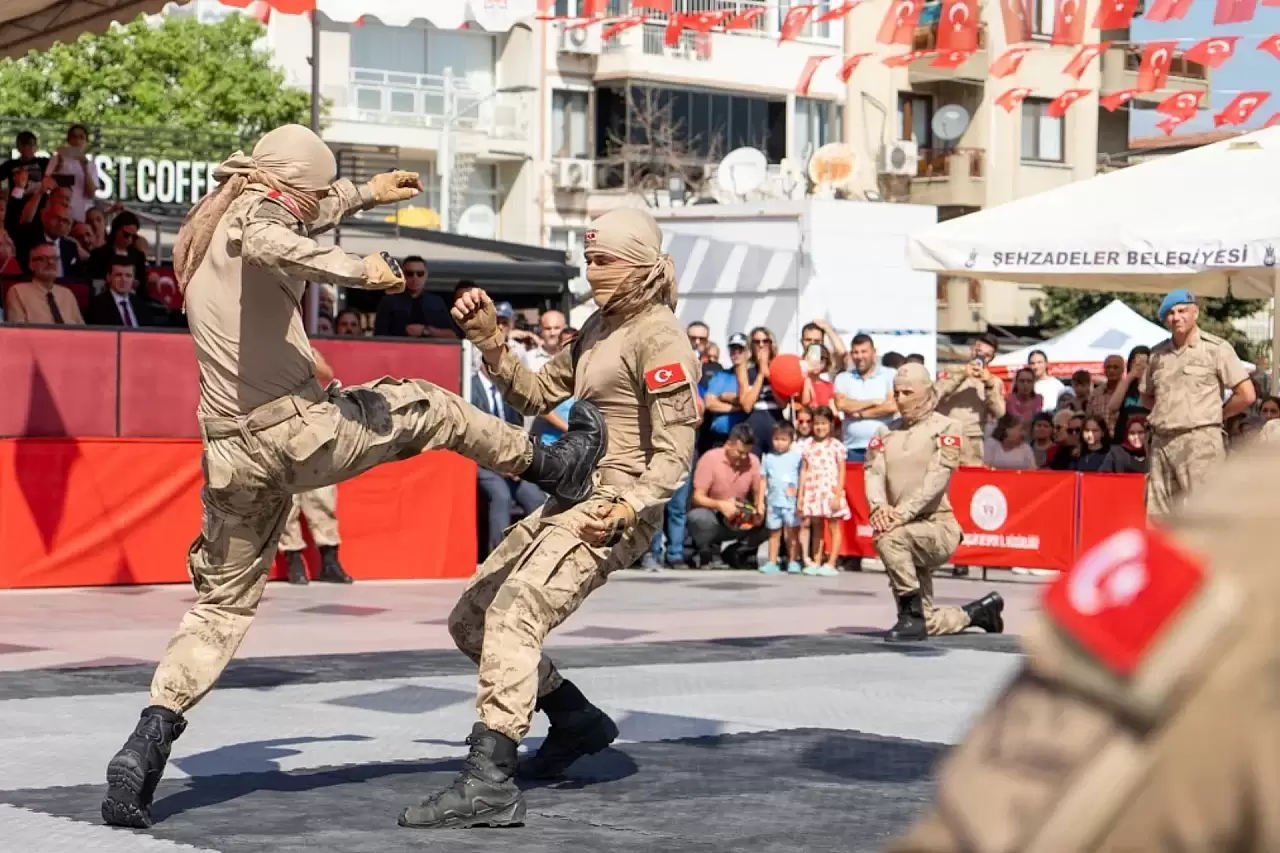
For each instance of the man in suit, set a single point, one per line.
(500, 492)
(118, 305)
(42, 300)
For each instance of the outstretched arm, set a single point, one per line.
(270, 238)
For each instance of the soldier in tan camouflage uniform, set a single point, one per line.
(1146, 716)
(1183, 388)
(270, 431)
(632, 359)
(909, 466)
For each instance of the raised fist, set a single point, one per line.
(475, 313)
(391, 187)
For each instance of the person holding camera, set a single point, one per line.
(970, 397)
(723, 519)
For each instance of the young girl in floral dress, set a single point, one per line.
(822, 498)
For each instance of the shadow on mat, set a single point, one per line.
(261, 756)
(869, 758)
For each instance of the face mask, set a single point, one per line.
(605, 281)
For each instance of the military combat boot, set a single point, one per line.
(565, 468)
(578, 728)
(910, 626)
(297, 568)
(134, 773)
(331, 570)
(482, 795)
(987, 613)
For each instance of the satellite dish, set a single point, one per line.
(741, 171)
(950, 122)
(833, 165)
(478, 221)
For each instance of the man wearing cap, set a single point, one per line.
(724, 412)
(1183, 389)
(909, 466)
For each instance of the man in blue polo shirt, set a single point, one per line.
(864, 396)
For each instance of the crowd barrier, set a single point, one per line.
(1019, 519)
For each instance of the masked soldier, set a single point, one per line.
(633, 360)
(909, 466)
(270, 431)
(1147, 714)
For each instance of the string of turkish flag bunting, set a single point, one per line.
(957, 42)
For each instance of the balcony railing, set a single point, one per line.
(1179, 65)
(926, 37)
(950, 162)
(417, 100)
(766, 23)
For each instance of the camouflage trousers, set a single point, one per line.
(320, 508)
(534, 580)
(254, 465)
(971, 447)
(1179, 462)
(910, 553)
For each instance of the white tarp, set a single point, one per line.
(36, 24)
(1207, 220)
(1114, 330)
(495, 16)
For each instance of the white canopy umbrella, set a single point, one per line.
(1114, 330)
(1207, 220)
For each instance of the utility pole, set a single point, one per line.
(444, 163)
(315, 71)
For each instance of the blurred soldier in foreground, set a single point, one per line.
(909, 466)
(1147, 714)
(633, 360)
(270, 431)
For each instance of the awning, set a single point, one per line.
(495, 16)
(36, 24)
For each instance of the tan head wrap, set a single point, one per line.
(643, 275)
(291, 160)
(915, 377)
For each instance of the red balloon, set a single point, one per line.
(786, 376)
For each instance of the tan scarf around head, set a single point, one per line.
(290, 160)
(633, 237)
(916, 377)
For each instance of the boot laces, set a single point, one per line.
(469, 765)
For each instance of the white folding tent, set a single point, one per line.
(1114, 330)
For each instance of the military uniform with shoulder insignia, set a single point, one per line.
(1147, 714)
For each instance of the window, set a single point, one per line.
(812, 29)
(915, 118)
(426, 50)
(1043, 13)
(816, 124)
(482, 188)
(570, 239)
(569, 137)
(1043, 136)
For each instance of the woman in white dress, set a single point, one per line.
(71, 166)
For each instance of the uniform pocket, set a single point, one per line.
(320, 428)
(399, 393)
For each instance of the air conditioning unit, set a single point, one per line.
(575, 175)
(580, 40)
(900, 158)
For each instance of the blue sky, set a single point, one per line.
(1248, 69)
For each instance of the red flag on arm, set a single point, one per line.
(1068, 22)
(1168, 10)
(1011, 99)
(1234, 11)
(1007, 63)
(1241, 108)
(899, 24)
(1153, 72)
(847, 69)
(1213, 52)
(1271, 44)
(1058, 106)
(958, 26)
(811, 66)
(1180, 105)
(1116, 100)
(1115, 14)
(745, 20)
(838, 12)
(1017, 21)
(794, 23)
(1086, 54)
(951, 59)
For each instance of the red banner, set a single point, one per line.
(1009, 518)
(1109, 502)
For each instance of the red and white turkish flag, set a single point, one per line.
(951, 59)
(703, 22)
(1058, 106)
(850, 64)
(1213, 52)
(1011, 99)
(1016, 16)
(655, 5)
(1116, 100)
(1086, 54)
(1068, 22)
(1181, 105)
(1242, 106)
(900, 20)
(1153, 72)
(811, 66)
(958, 26)
(621, 25)
(745, 20)
(1169, 125)
(794, 23)
(1167, 10)
(1271, 44)
(1273, 121)
(902, 60)
(661, 377)
(1234, 11)
(838, 12)
(1007, 63)
(1115, 14)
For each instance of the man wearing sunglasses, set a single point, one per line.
(415, 313)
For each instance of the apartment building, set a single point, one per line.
(1003, 154)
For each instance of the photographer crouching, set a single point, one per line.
(725, 527)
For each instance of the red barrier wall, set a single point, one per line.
(96, 512)
(57, 382)
(1108, 503)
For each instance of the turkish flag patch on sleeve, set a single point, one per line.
(1119, 598)
(664, 377)
(948, 441)
(875, 444)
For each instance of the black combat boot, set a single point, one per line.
(297, 568)
(987, 613)
(959, 571)
(565, 468)
(482, 795)
(910, 626)
(134, 773)
(331, 570)
(578, 728)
